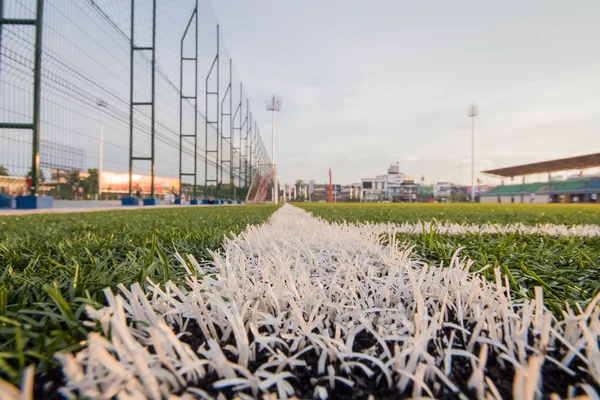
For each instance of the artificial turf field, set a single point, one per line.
(568, 267)
(529, 214)
(54, 265)
(51, 266)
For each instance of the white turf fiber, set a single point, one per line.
(448, 228)
(299, 293)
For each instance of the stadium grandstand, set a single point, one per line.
(579, 188)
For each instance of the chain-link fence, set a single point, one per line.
(134, 95)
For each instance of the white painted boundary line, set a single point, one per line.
(446, 228)
(301, 285)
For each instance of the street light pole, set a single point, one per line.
(473, 112)
(102, 104)
(274, 104)
(275, 185)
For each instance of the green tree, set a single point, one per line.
(73, 177)
(42, 177)
(299, 183)
(458, 195)
(91, 184)
(3, 171)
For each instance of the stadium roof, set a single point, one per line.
(562, 164)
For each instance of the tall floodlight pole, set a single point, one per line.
(274, 104)
(102, 104)
(473, 112)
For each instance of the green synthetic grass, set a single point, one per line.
(528, 214)
(52, 265)
(568, 268)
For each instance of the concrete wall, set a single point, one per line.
(524, 199)
(503, 199)
(542, 198)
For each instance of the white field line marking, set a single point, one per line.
(302, 286)
(447, 228)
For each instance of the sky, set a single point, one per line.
(365, 84)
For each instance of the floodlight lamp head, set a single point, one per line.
(274, 104)
(473, 111)
(101, 103)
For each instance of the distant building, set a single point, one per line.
(352, 192)
(408, 192)
(393, 186)
(320, 191)
(442, 191)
